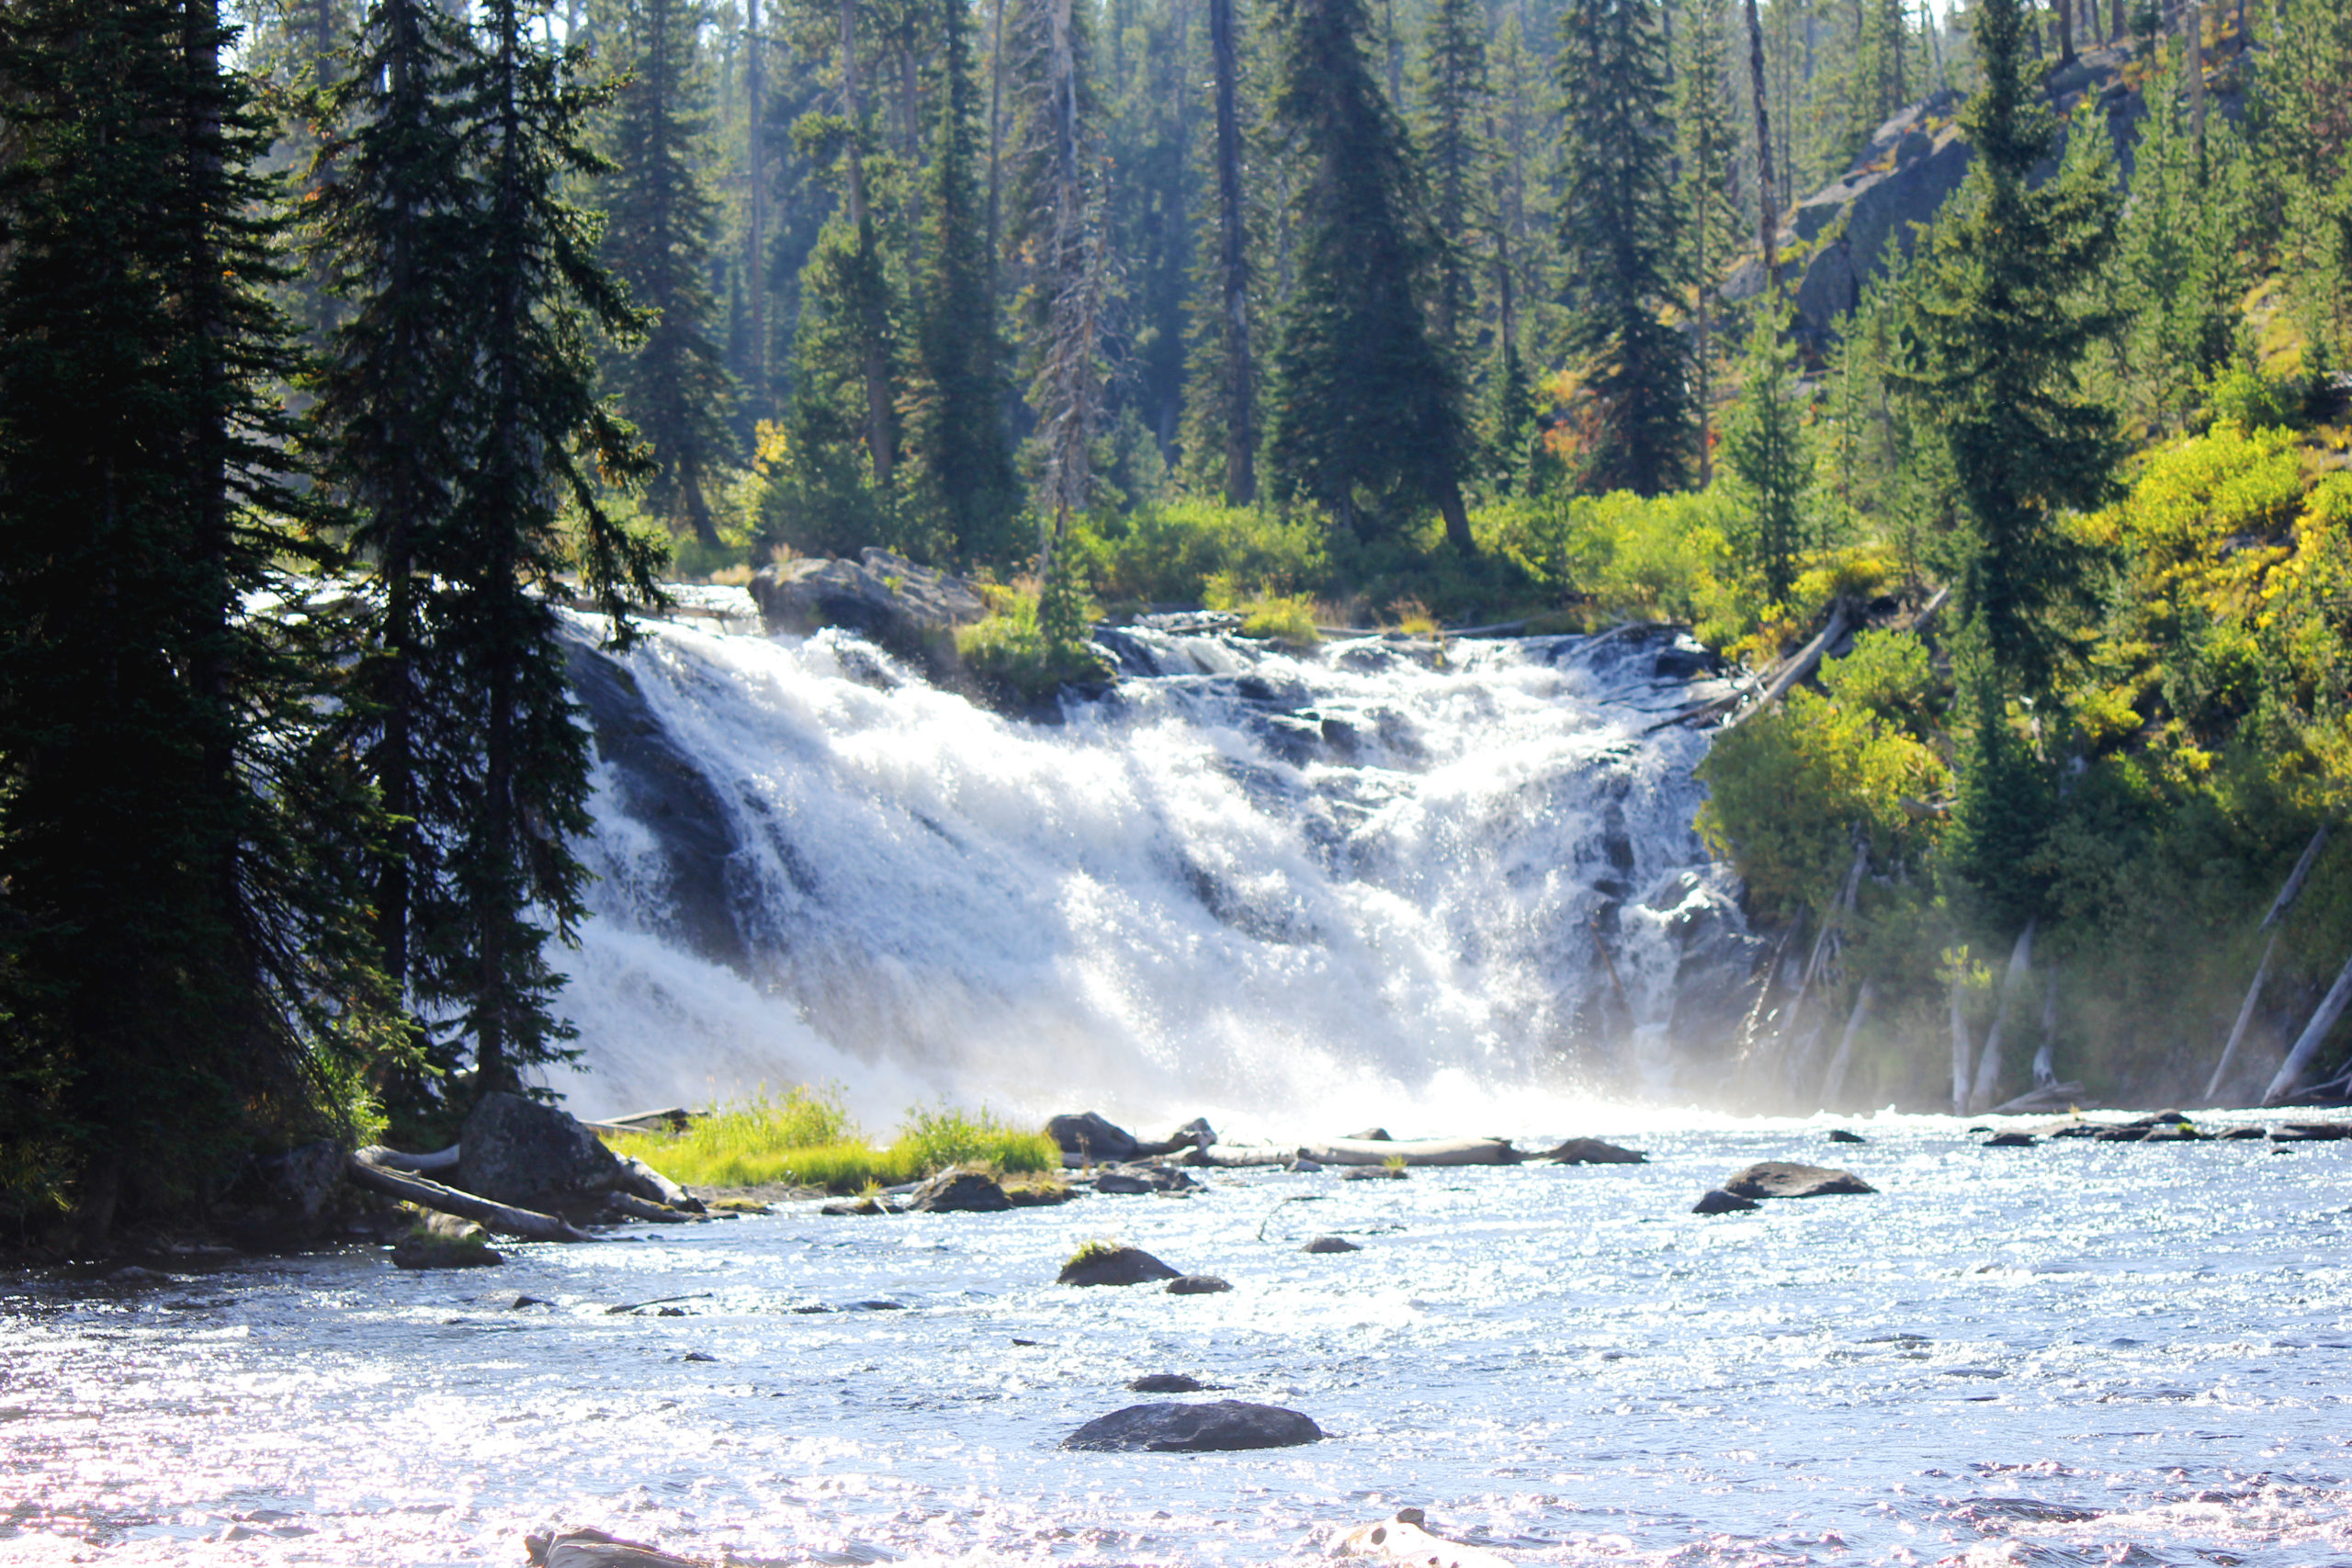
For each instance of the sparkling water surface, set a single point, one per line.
(2082, 1352)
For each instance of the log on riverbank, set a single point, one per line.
(503, 1218)
(1417, 1151)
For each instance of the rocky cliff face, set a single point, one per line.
(1841, 236)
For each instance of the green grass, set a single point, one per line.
(807, 1139)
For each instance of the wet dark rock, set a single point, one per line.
(1196, 1285)
(1166, 1382)
(1370, 1135)
(522, 1302)
(1114, 1266)
(1039, 1194)
(2311, 1131)
(2132, 1135)
(1330, 1244)
(1716, 1200)
(595, 1549)
(959, 1192)
(697, 1356)
(1372, 1173)
(284, 1199)
(878, 1304)
(1218, 1427)
(1135, 1178)
(1840, 1135)
(2243, 1133)
(534, 1157)
(1592, 1151)
(912, 610)
(870, 1203)
(1089, 1138)
(2010, 1141)
(1784, 1178)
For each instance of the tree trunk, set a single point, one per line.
(2064, 22)
(507, 1220)
(2045, 1065)
(2278, 907)
(1963, 1048)
(1766, 208)
(2192, 17)
(878, 445)
(1988, 1066)
(2299, 1060)
(1833, 1085)
(1233, 262)
(755, 229)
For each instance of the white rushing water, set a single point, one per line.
(1368, 882)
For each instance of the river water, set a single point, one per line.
(2078, 1353)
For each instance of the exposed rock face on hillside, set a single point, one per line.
(1837, 239)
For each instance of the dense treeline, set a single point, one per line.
(345, 342)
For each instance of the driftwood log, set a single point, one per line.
(428, 1194)
(416, 1165)
(1419, 1151)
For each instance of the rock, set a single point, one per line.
(1038, 1192)
(697, 1356)
(959, 1192)
(2128, 1134)
(284, 1199)
(912, 610)
(1195, 1285)
(445, 1241)
(1592, 1151)
(1780, 1178)
(2009, 1141)
(2311, 1131)
(595, 1549)
(1087, 1138)
(1166, 1382)
(1407, 1539)
(871, 1204)
(1330, 1244)
(1415, 1151)
(517, 1151)
(1133, 1178)
(1840, 1135)
(1716, 1200)
(1303, 1166)
(1370, 1135)
(2243, 1133)
(741, 1206)
(1219, 1426)
(1097, 1264)
(1372, 1173)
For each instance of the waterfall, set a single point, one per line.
(1372, 881)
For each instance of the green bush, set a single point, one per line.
(1011, 654)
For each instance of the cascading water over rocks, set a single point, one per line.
(1258, 884)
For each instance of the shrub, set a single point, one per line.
(807, 1139)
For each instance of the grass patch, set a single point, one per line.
(809, 1139)
(1089, 1251)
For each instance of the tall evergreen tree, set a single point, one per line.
(1454, 113)
(1618, 234)
(660, 225)
(1768, 456)
(960, 443)
(1368, 417)
(179, 963)
(2001, 326)
(538, 435)
(1709, 226)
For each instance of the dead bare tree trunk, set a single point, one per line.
(1963, 1048)
(529, 1224)
(1988, 1066)
(2299, 1060)
(1767, 208)
(2045, 1065)
(2278, 907)
(1833, 1084)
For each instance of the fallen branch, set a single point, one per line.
(1808, 660)
(1419, 1151)
(417, 1165)
(500, 1217)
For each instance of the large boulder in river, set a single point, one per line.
(1217, 1426)
(912, 610)
(1593, 1151)
(1784, 1178)
(1090, 1138)
(1099, 1263)
(959, 1192)
(534, 1156)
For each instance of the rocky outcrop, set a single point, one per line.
(1101, 1265)
(959, 1192)
(284, 1199)
(912, 610)
(1089, 1137)
(1784, 1178)
(1218, 1427)
(1592, 1151)
(519, 1151)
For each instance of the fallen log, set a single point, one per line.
(656, 1188)
(1238, 1156)
(1988, 1066)
(2314, 1035)
(1419, 1151)
(417, 1165)
(1833, 1084)
(428, 1194)
(1808, 660)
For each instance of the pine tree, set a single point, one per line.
(1222, 401)
(2001, 329)
(538, 437)
(659, 220)
(1452, 115)
(960, 444)
(1768, 456)
(178, 963)
(1709, 227)
(396, 196)
(1618, 233)
(1368, 421)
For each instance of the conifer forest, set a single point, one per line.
(1996, 348)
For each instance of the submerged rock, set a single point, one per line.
(1840, 1135)
(1218, 1427)
(1592, 1151)
(444, 1241)
(2311, 1131)
(2010, 1141)
(1784, 1178)
(868, 1203)
(1138, 1178)
(1196, 1285)
(1374, 1173)
(1370, 1135)
(1330, 1244)
(1716, 1200)
(595, 1549)
(1165, 1382)
(1099, 1265)
(959, 1192)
